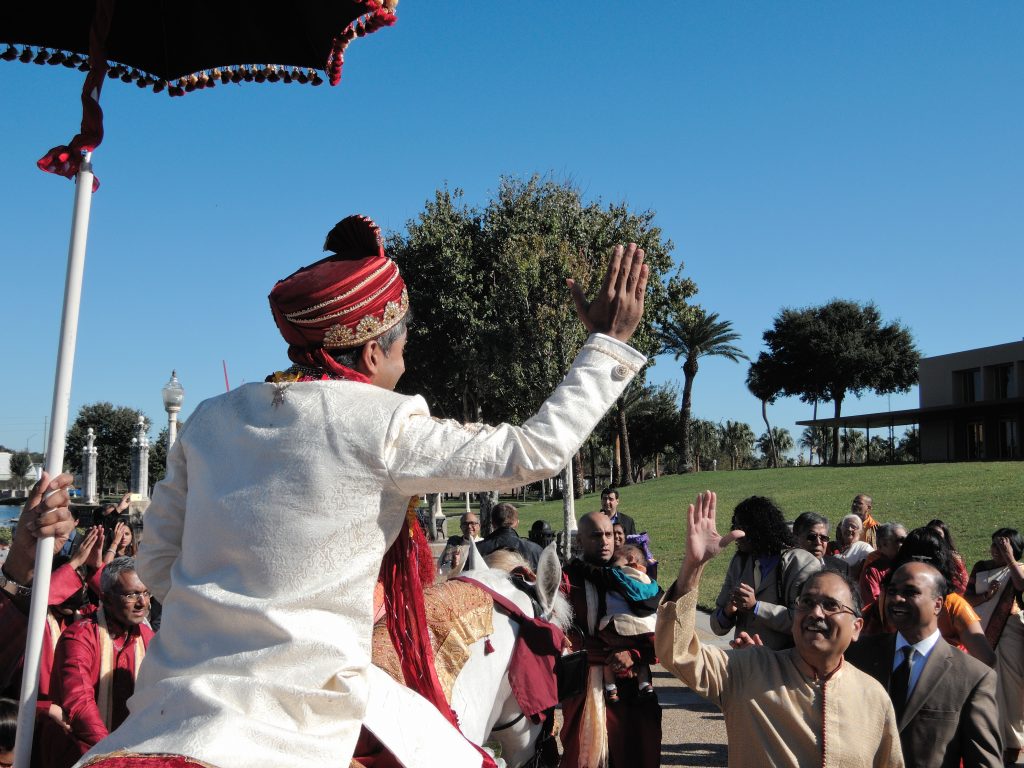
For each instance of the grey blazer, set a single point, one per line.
(776, 595)
(951, 714)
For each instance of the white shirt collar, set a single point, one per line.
(923, 648)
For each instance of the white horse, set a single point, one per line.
(482, 696)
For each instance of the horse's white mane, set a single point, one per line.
(502, 563)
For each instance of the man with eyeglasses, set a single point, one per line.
(97, 660)
(811, 532)
(945, 700)
(795, 707)
(454, 552)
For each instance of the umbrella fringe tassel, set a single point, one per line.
(380, 13)
(267, 73)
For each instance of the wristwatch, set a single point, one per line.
(13, 588)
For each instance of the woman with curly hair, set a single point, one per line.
(960, 574)
(994, 590)
(764, 577)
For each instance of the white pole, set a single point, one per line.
(55, 456)
(568, 509)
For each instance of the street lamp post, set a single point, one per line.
(173, 394)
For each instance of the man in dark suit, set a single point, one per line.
(811, 532)
(610, 506)
(944, 699)
(504, 521)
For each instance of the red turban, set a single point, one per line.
(343, 301)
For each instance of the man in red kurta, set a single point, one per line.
(97, 660)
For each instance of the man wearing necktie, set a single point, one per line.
(944, 699)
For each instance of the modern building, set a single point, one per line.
(971, 406)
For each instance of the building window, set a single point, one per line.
(1005, 386)
(970, 385)
(1009, 441)
(975, 440)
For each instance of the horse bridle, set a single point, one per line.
(509, 724)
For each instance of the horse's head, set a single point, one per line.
(544, 586)
(538, 596)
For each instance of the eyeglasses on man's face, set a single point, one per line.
(816, 537)
(131, 597)
(829, 605)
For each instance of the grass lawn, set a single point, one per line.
(973, 498)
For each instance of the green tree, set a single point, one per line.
(704, 440)
(20, 465)
(494, 328)
(114, 428)
(688, 331)
(908, 448)
(816, 440)
(737, 442)
(763, 383)
(840, 348)
(655, 424)
(878, 450)
(773, 442)
(854, 445)
(158, 455)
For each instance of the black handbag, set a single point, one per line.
(571, 671)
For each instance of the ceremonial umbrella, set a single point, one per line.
(174, 48)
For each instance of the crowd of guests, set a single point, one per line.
(96, 634)
(946, 645)
(934, 672)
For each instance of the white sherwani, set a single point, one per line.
(264, 543)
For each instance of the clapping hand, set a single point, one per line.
(743, 597)
(619, 304)
(83, 555)
(744, 640)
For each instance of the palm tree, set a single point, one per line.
(705, 440)
(764, 384)
(809, 439)
(737, 441)
(773, 442)
(693, 335)
(854, 444)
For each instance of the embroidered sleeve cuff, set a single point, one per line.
(629, 360)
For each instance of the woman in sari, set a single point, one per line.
(849, 544)
(994, 590)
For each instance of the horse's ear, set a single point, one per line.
(549, 578)
(474, 560)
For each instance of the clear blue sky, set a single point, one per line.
(793, 152)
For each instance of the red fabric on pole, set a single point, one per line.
(66, 160)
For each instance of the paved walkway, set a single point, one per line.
(693, 730)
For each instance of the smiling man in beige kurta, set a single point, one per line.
(798, 707)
